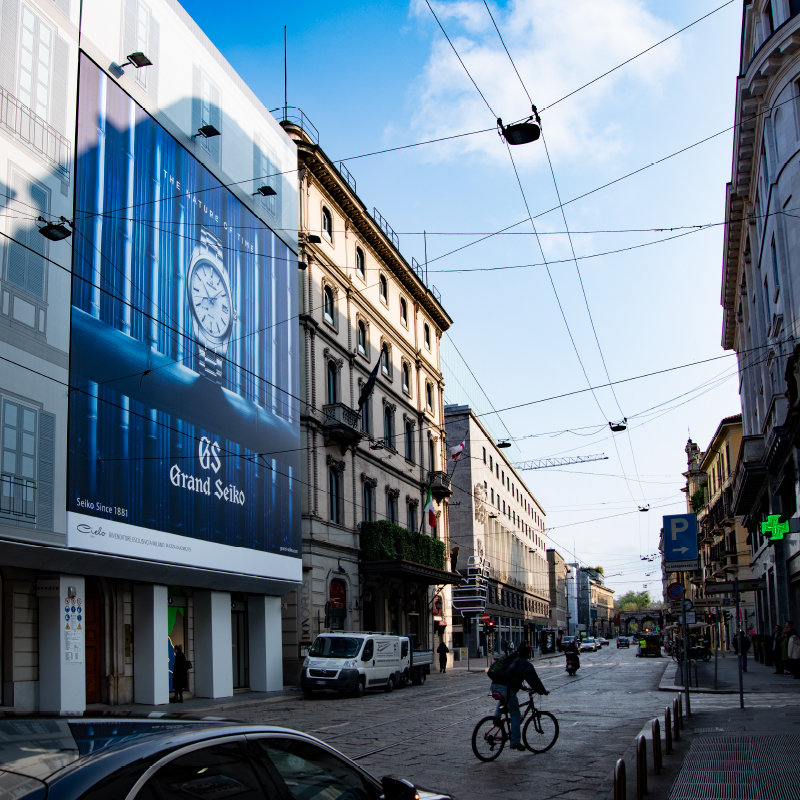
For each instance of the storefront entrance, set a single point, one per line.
(92, 619)
(241, 677)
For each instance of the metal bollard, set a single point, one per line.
(668, 731)
(641, 768)
(676, 725)
(657, 763)
(680, 710)
(620, 781)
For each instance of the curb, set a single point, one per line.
(667, 684)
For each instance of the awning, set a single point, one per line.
(408, 570)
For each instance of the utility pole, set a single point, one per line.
(740, 646)
(686, 673)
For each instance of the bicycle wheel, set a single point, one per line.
(542, 736)
(488, 739)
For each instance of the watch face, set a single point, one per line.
(210, 299)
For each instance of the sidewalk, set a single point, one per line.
(758, 677)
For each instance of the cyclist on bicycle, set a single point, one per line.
(519, 671)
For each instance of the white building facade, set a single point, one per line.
(149, 391)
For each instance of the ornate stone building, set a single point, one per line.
(362, 302)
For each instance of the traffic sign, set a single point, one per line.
(691, 618)
(703, 604)
(674, 591)
(680, 542)
(485, 618)
(744, 586)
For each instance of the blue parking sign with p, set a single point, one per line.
(680, 537)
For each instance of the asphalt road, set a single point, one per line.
(423, 733)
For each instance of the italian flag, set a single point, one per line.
(456, 451)
(430, 507)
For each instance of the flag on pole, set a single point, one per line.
(366, 389)
(456, 451)
(430, 507)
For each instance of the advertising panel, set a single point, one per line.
(184, 440)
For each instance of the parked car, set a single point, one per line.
(623, 641)
(603, 642)
(590, 644)
(125, 758)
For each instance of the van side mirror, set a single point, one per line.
(398, 789)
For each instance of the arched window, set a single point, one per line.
(333, 495)
(388, 427)
(429, 396)
(384, 289)
(331, 382)
(409, 442)
(406, 381)
(327, 303)
(327, 223)
(360, 269)
(385, 358)
(403, 311)
(362, 338)
(427, 335)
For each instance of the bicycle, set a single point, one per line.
(490, 737)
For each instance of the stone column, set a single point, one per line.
(150, 645)
(265, 636)
(213, 644)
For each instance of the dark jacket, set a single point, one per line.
(180, 672)
(442, 649)
(523, 672)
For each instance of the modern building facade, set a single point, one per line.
(371, 561)
(557, 574)
(760, 295)
(494, 515)
(149, 388)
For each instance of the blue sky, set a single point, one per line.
(375, 75)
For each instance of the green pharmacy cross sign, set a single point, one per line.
(774, 527)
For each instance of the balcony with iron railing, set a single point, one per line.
(17, 500)
(341, 425)
(41, 137)
(440, 485)
(294, 117)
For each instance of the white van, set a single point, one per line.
(360, 660)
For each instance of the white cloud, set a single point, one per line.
(557, 47)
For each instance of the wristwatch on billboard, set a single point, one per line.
(211, 302)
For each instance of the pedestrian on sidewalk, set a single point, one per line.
(741, 644)
(442, 650)
(180, 674)
(776, 650)
(785, 647)
(793, 651)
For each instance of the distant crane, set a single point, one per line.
(543, 463)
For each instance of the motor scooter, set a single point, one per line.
(573, 663)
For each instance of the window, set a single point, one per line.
(767, 316)
(388, 427)
(385, 363)
(491, 463)
(431, 455)
(18, 464)
(497, 470)
(384, 289)
(429, 396)
(36, 44)
(406, 383)
(369, 502)
(403, 311)
(331, 376)
(265, 172)
(491, 491)
(333, 495)
(775, 276)
(409, 441)
(362, 338)
(426, 335)
(327, 223)
(360, 269)
(391, 508)
(337, 613)
(484, 455)
(411, 517)
(768, 18)
(327, 304)
(25, 263)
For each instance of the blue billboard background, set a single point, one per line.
(155, 442)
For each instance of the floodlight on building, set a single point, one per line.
(265, 191)
(302, 265)
(206, 131)
(493, 516)
(137, 60)
(54, 231)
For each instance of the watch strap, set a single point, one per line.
(212, 244)
(209, 364)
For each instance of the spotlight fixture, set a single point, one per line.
(312, 238)
(493, 516)
(265, 191)
(505, 443)
(207, 132)
(619, 426)
(644, 508)
(55, 231)
(137, 60)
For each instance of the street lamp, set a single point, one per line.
(137, 60)
(207, 132)
(55, 231)
(265, 191)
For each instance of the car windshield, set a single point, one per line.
(588, 641)
(335, 647)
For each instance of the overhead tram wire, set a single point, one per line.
(572, 249)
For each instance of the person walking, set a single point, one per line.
(180, 673)
(785, 647)
(776, 650)
(793, 651)
(442, 650)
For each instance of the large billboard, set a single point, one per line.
(184, 439)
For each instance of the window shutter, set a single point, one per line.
(196, 103)
(25, 269)
(35, 278)
(214, 144)
(9, 29)
(44, 486)
(129, 27)
(58, 114)
(153, 37)
(63, 7)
